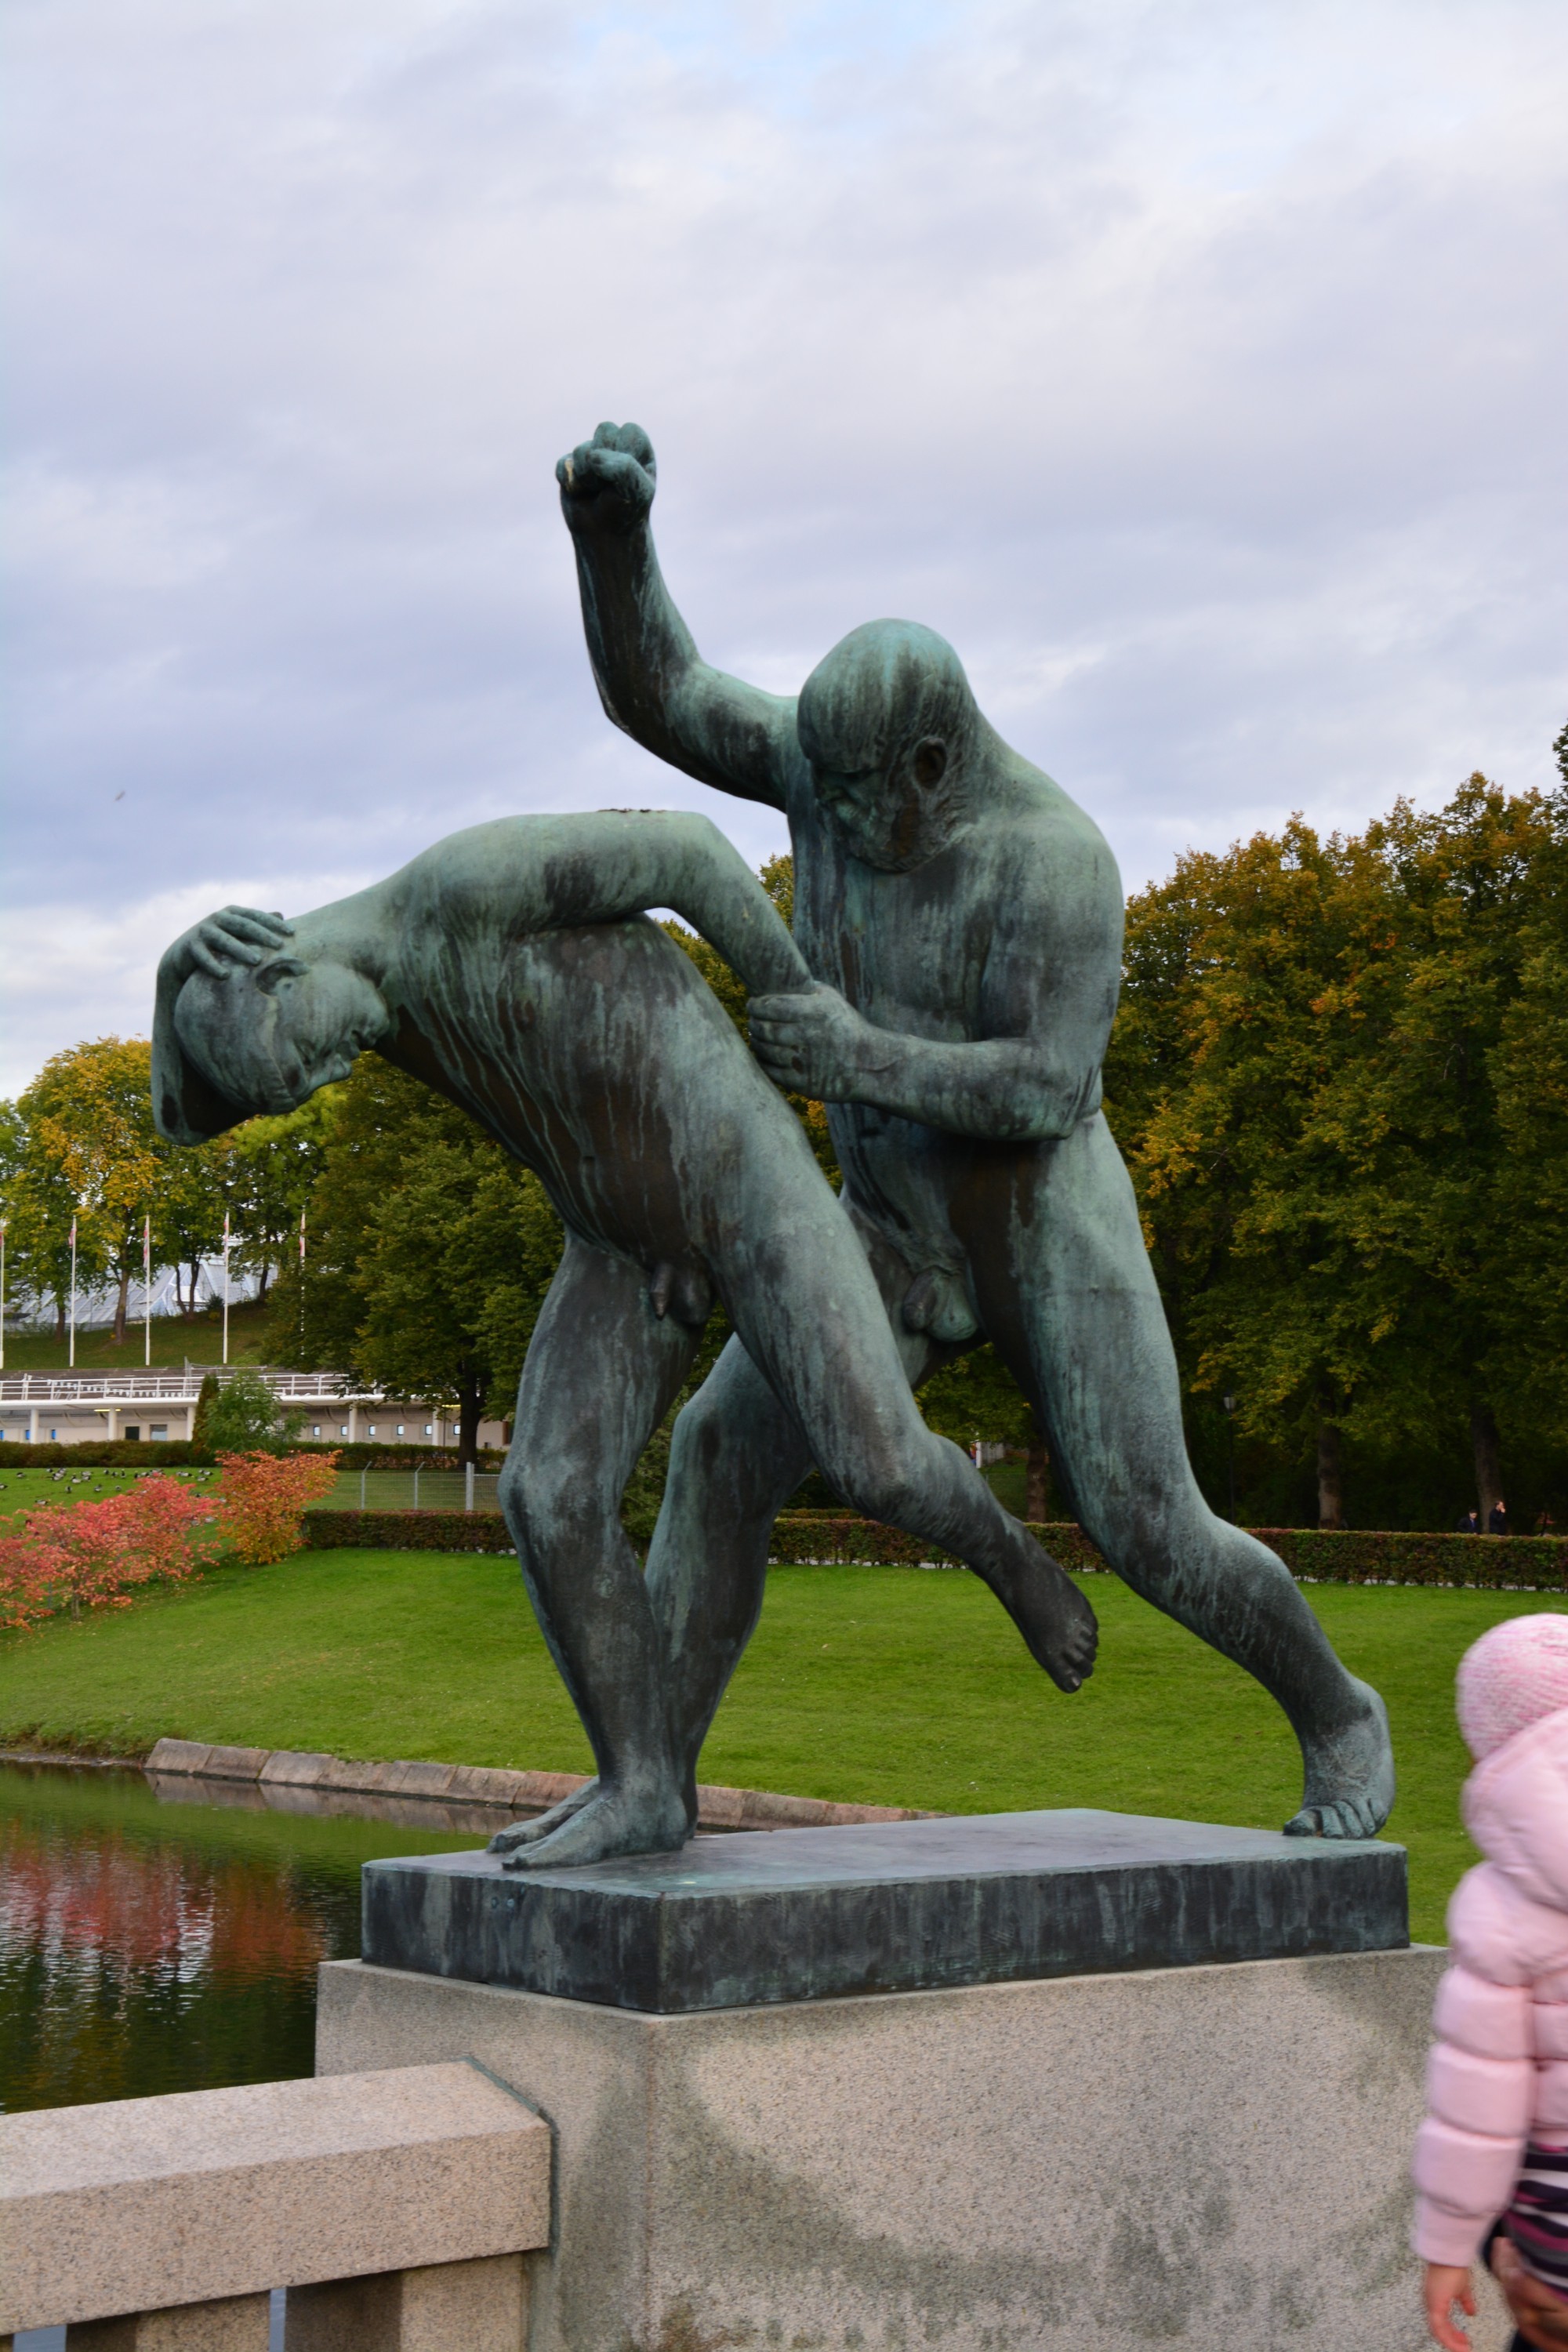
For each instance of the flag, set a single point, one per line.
(301, 1237)
(73, 1233)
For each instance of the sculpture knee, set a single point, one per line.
(548, 1504)
(890, 1481)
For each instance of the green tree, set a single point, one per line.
(266, 1179)
(430, 1253)
(1306, 1076)
(241, 1415)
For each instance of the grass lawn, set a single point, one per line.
(887, 1686)
(176, 1339)
(24, 1490)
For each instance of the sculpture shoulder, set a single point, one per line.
(1045, 852)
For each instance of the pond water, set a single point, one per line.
(165, 1936)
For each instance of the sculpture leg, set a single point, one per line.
(825, 1382)
(601, 1372)
(1069, 1296)
(735, 1458)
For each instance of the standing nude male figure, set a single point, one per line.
(509, 969)
(968, 919)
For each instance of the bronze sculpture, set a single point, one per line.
(967, 916)
(510, 968)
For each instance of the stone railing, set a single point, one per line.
(396, 2207)
(162, 1387)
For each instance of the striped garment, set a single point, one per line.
(1538, 2216)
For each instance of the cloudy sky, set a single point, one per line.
(1195, 365)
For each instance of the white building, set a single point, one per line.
(72, 1408)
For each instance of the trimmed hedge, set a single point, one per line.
(405, 1531)
(1495, 1563)
(1503, 1563)
(99, 1454)
(1313, 1555)
(178, 1453)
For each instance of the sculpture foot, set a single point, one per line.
(615, 1821)
(1057, 1624)
(541, 1825)
(1350, 1777)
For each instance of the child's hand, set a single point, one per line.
(1540, 2316)
(1447, 2286)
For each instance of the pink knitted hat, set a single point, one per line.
(1511, 1678)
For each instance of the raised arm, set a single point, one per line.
(551, 873)
(652, 681)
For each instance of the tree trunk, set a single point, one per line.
(1330, 1496)
(1489, 1462)
(266, 1279)
(467, 1421)
(190, 1306)
(1037, 1478)
(122, 1307)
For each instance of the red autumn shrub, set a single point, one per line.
(88, 1555)
(264, 1497)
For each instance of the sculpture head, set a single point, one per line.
(887, 721)
(267, 1036)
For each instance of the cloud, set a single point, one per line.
(1195, 367)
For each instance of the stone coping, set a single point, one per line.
(137, 2204)
(492, 1785)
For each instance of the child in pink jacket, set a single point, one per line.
(1495, 2139)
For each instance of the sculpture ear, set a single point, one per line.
(931, 762)
(267, 975)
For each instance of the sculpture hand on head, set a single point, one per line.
(887, 721)
(265, 1036)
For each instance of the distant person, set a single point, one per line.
(1495, 2139)
(1496, 1523)
(1467, 1524)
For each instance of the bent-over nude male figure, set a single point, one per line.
(968, 919)
(502, 968)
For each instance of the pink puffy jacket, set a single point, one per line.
(1498, 2072)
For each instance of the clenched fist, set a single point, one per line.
(608, 483)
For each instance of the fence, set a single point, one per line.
(415, 1490)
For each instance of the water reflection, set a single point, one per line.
(166, 1938)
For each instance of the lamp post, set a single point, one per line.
(1229, 1404)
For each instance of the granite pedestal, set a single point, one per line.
(1078, 2149)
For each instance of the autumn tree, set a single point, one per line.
(91, 1153)
(1308, 1076)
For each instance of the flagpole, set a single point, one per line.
(73, 1298)
(301, 1280)
(147, 1282)
(226, 1286)
(2, 1294)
